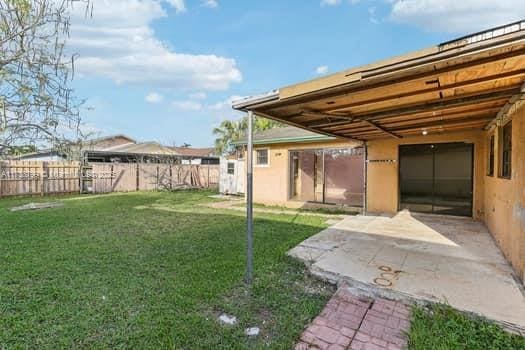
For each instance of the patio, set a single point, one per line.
(419, 257)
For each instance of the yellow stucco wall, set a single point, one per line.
(505, 198)
(271, 183)
(500, 203)
(383, 178)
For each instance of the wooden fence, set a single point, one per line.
(19, 178)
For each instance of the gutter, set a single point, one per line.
(312, 138)
(258, 100)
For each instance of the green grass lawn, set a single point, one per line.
(442, 328)
(154, 270)
(335, 210)
(149, 270)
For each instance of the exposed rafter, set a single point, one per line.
(441, 104)
(269, 116)
(438, 88)
(389, 123)
(374, 125)
(382, 82)
(506, 108)
(427, 126)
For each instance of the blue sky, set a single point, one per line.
(168, 70)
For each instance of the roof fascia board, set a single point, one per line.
(312, 138)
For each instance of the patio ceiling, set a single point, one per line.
(463, 84)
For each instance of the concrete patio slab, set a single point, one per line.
(419, 257)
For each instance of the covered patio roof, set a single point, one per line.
(466, 83)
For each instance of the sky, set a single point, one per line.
(167, 70)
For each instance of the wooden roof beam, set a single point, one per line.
(298, 125)
(438, 105)
(444, 113)
(327, 118)
(466, 122)
(381, 81)
(436, 88)
(506, 108)
(428, 119)
(375, 126)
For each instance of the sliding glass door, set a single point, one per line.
(436, 178)
(331, 176)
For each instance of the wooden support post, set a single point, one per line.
(42, 179)
(137, 168)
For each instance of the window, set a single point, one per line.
(506, 151)
(490, 170)
(261, 157)
(231, 168)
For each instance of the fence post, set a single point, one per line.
(42, 179)
(171, 176)
(138, 177)
(157, 185)
(80, 178)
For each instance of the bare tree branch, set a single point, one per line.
(36, 104)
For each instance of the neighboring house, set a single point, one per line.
(107, 142)
(197, 155)
(123, 149)
(145, 152)
(44, 156)
(443, 131)
(296, 166)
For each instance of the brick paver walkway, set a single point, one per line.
(356, 323)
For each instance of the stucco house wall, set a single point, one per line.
(383, 177)
(505, 198)
(272, 181)
(498, 202)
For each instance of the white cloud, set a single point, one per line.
(330, 2)
(457, 16)
(198, 96)
(372, 15)
(187, 105)
(179, 5)
(119, 43)
(154, 97)
(210, 3)
(321, 70)
(226, 104)
(222, 110)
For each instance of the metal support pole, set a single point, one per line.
(365, 170)
(249, 202)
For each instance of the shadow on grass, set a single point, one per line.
(102, 274)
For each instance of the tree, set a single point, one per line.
(36, 104)
(232, 130)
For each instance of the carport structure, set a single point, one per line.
(443, 129)
(457, 85)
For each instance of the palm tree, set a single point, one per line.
(232, 130)
(228, 131)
